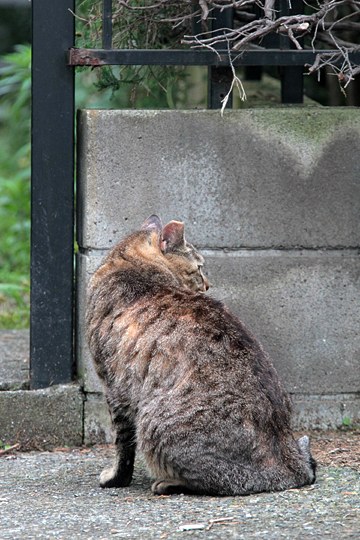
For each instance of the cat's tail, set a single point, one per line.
(246, 480)
(294, 470)
(304, 445)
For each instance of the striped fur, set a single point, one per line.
(186, 382)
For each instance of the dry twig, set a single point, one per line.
(326, 23)
(9, 449)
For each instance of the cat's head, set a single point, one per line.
(181, 258)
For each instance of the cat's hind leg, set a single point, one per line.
(166, 480)
(170, 486)
(120, 474)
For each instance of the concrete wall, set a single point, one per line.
(272, 198)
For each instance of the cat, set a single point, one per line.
(186, 383)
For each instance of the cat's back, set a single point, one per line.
(190, 333)
(185, 350)
(146, 317)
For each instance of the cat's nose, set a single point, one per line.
(206, 284)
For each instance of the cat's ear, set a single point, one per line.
(173, 235)
(152, 223)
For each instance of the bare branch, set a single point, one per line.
(204, 9)
(235, 82)
(269, 11)
(168, 22)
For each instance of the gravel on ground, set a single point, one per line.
(55, 495)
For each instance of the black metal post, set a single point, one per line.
(255, 73)
(107, 24)
(292, 84)
(52, 195)
(220, 78)
(292, 77)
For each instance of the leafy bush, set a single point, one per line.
(15, 89)
(133, 86)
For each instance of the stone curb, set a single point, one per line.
(46, 418)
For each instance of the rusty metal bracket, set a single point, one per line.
(84, 57)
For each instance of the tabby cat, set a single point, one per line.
(185, 381)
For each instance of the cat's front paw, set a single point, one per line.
(110, 478)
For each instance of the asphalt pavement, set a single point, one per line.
(55, 495)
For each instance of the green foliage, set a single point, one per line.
(14, 300)
(346, 422)
(120, 87)
(133, 86)
(15, 87)
(15, 24)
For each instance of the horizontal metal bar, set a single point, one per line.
(191, 57)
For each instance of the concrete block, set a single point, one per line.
(301, 305)
(97, 422)
(87, 376)
(270, 198)
(255, 178)
(326, 412)
(42, 419)
(309, 412)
